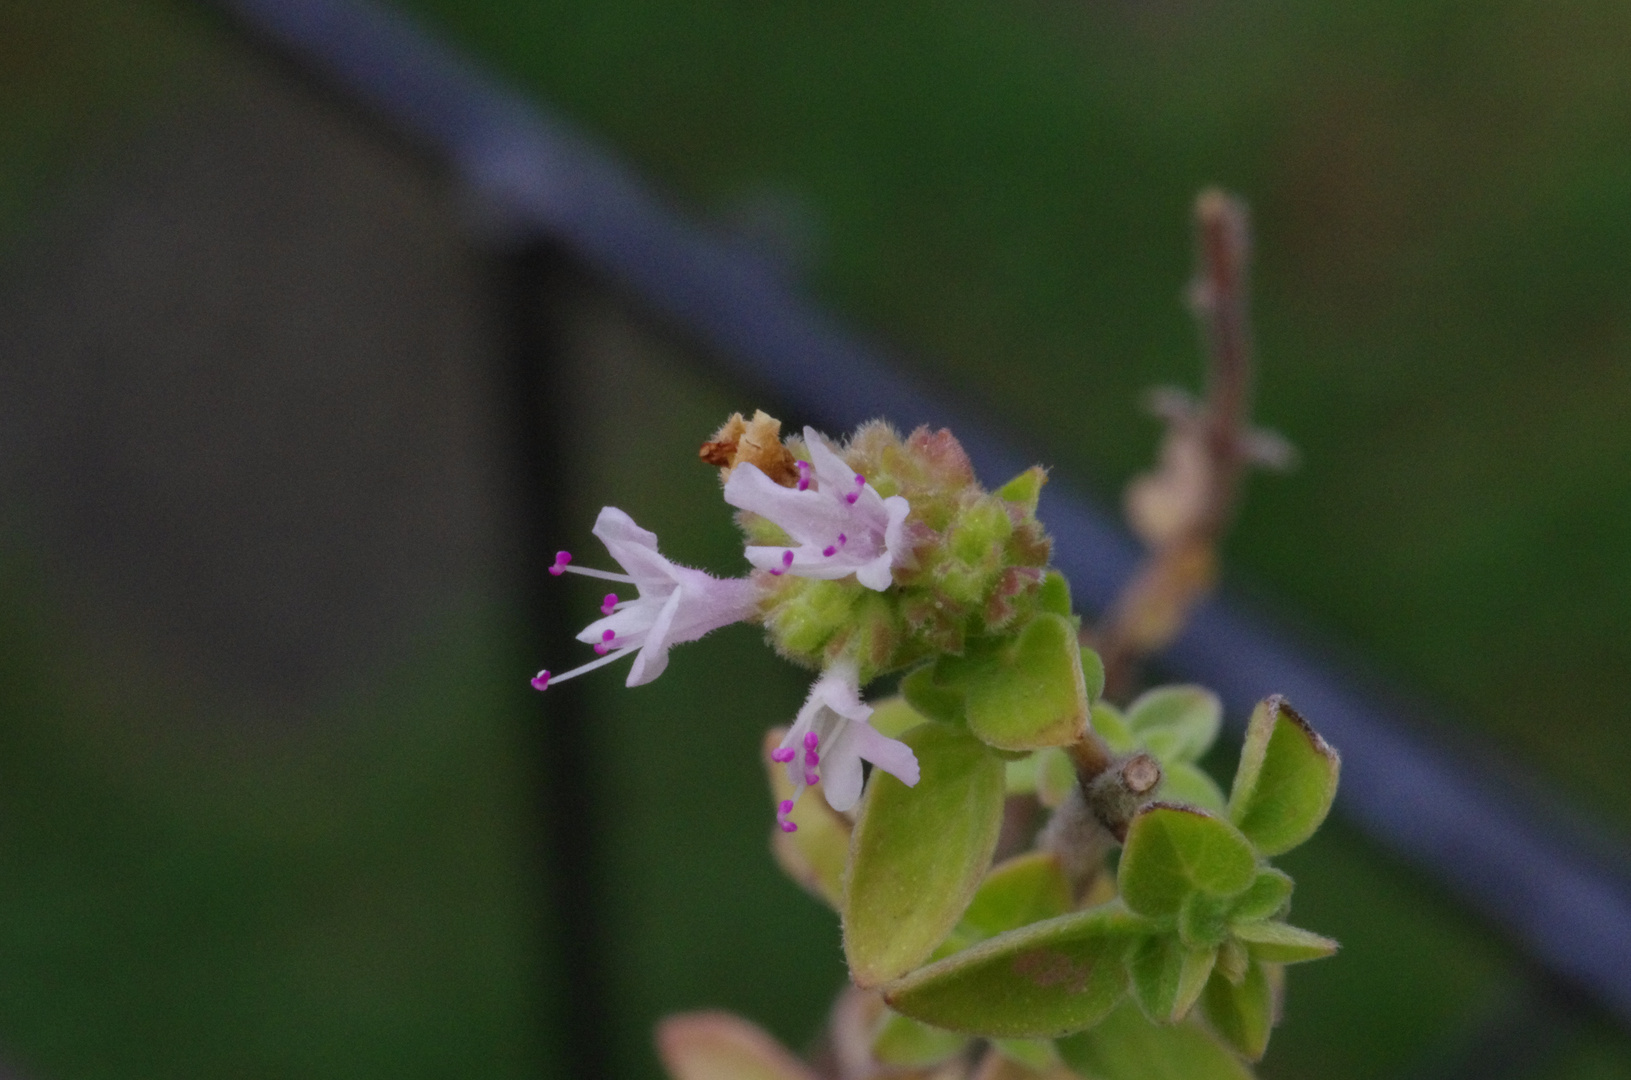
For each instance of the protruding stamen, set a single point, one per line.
(804, 475)
(608, 604)
(785, 808)
(604, 645)
(783, 756)
(561, 559)
(540, 681)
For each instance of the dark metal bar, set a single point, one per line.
(1527, 869)
(534, 283)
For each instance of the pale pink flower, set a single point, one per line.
(830, 739)
(675, 603)
(838, 522)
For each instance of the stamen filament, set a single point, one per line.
(604, 575)
(591, 665)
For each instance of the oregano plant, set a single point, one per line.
(1035, 878)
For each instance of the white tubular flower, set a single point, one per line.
(839, 523)
(675, 603)
(830, 739)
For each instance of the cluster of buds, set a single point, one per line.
(867, 557)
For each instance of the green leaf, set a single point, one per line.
(1037, 1055)
(1203, 921)
(814, 855)
(1242, 1014)
(1033, 694)
(894, 717)
(1055, 776)
(1182, 782)
(1167, 976)
(719, 1046)
(1055, 594)
(1176, 723)
(918, 853)
(1025, 889)
(1172, 851)
(1286, 779)
(1093, 673)
(1112, 728)
(1268, 896)
(1126, 1046)
(1280, 943)
(904, 1043)
(930, 698)
(1037, 982)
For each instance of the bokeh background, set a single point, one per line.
(269, 771)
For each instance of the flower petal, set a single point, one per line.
(653, 655)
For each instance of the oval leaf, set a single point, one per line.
(1034, 694)
(1112, 726)
(1172, 851)
(719, 1046)
(1182, 782)
(1167, 976)
(1041, 981)
(1126, 1046)
(1280, 943)
(1268, 896)
(904, 1043)
(1242, 1014)
(918, 853)
(1176, 723)
(921, 691)
(1286, 779)
(1025, 889)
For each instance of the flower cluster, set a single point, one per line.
(866, 558)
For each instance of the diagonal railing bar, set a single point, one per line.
(1525, 868)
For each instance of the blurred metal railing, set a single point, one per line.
(552, 194)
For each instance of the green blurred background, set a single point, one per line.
(202, 881)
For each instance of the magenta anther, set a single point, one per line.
(830, 550)
(842, 539)
(811, 778)
(812, 741)
(811, 758)
(788, 826)
(786, 806)
(561, 559)
(604, 645)
(804, 475)
(540, 681)
(782, 756)
(608, 604)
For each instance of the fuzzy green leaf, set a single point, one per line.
(1176, 723)
(895, 716)
(1025, 889)
(1203, 921)
(929, 697)
(1093, 673)
(1172, 851)
(1286, 779)
(1112, 727)
(1037, 1055)
(1280, 943)
(903, 1043)
(1182, 782)
(1126, 1046)
(1167, 976)
(1055, 776)
(1268, 896)
(1041, 981)
(1242, 1014)
(918, 853)
(1025, 488)
(1033, 694)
